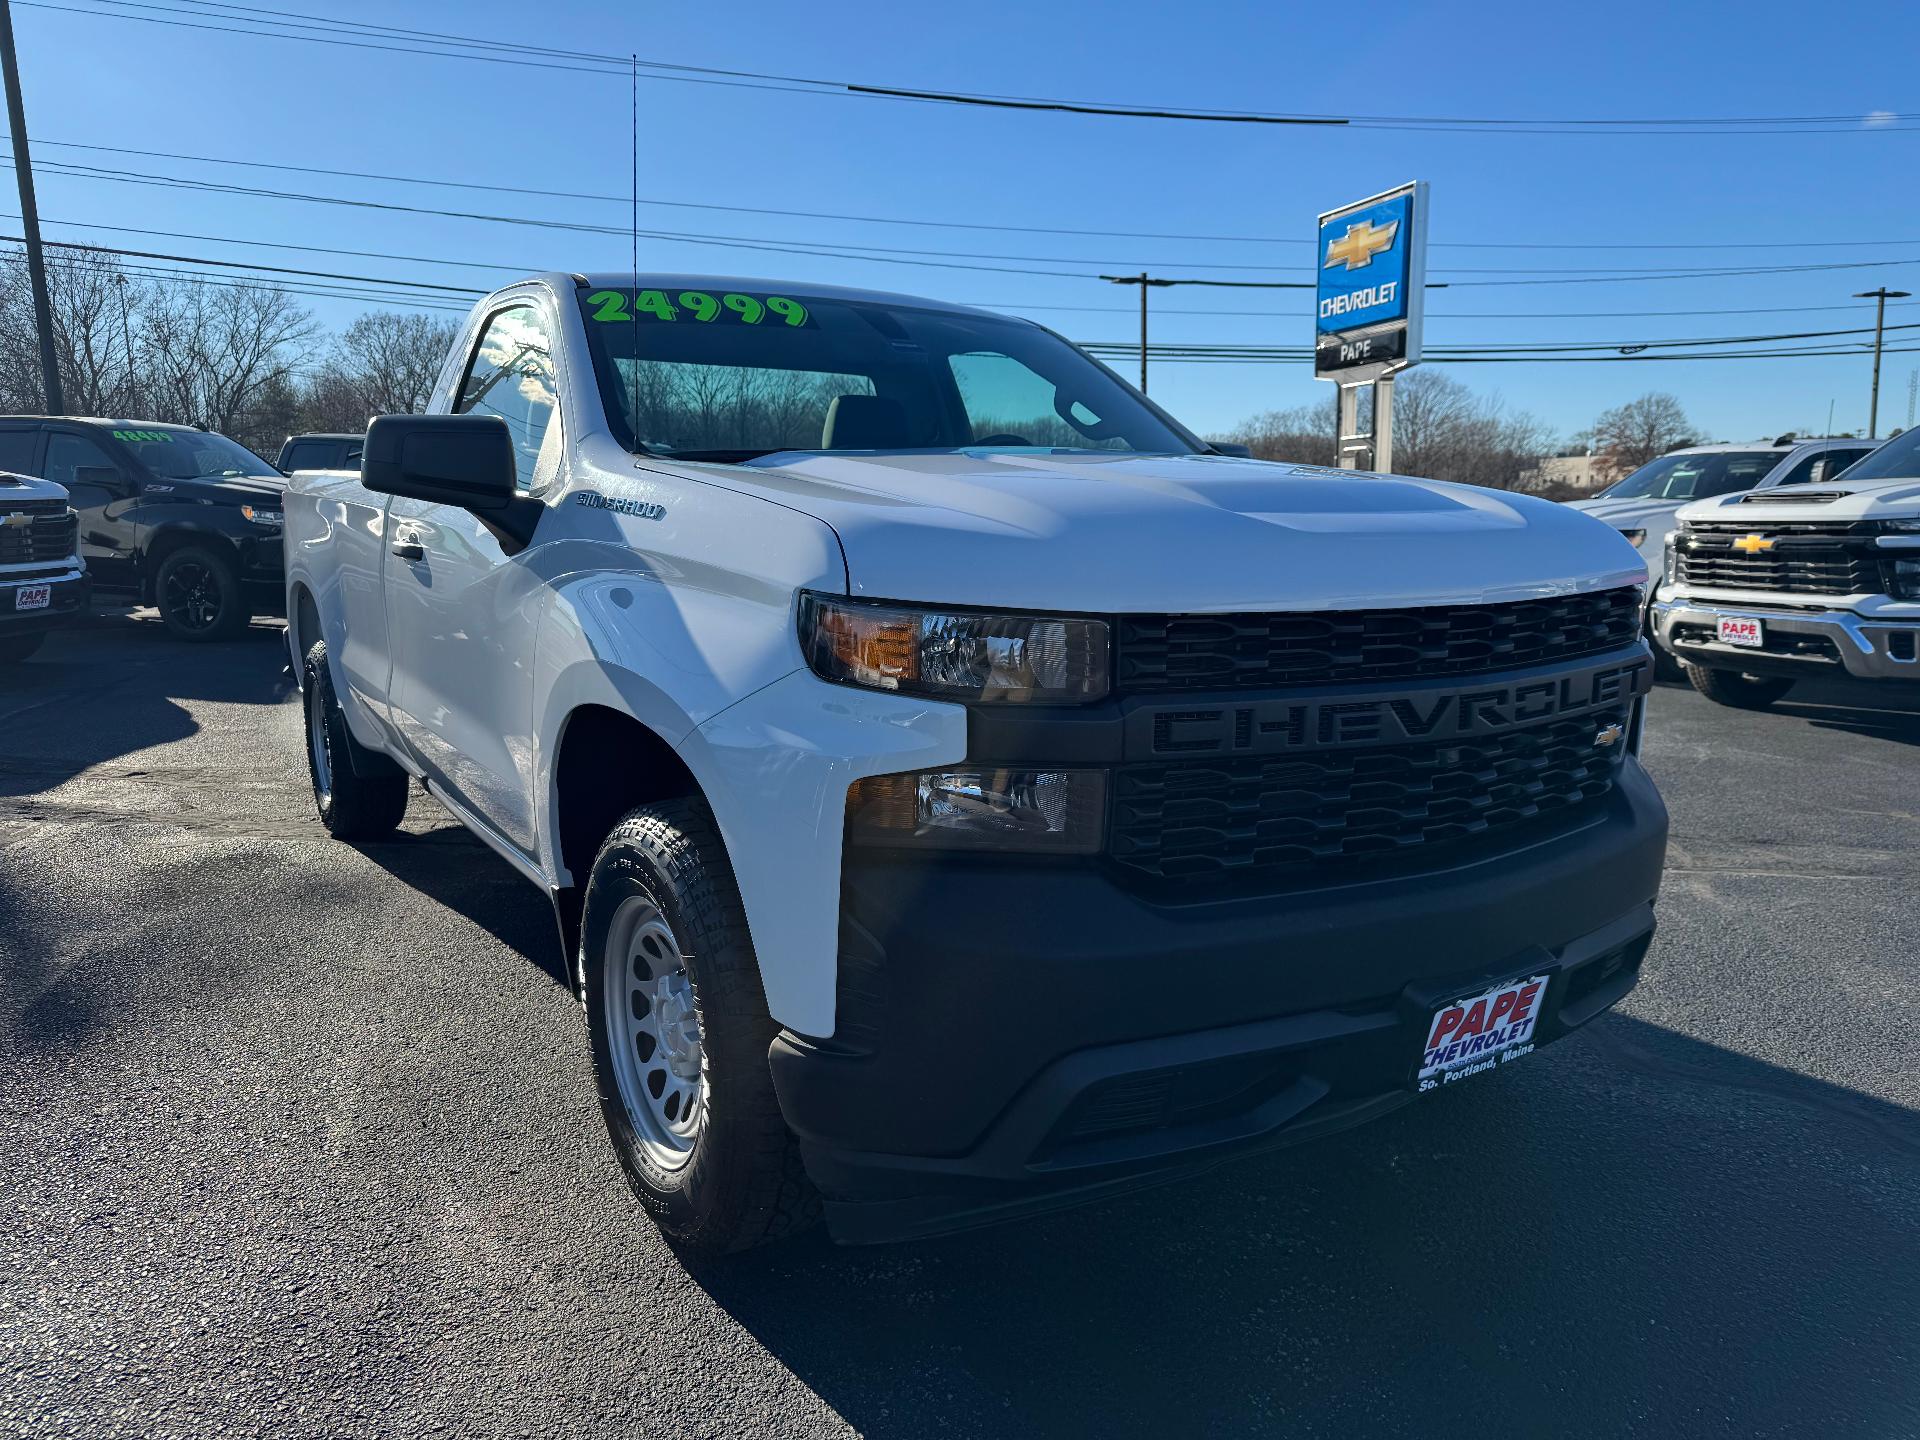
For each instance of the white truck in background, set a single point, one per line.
(1776, 586)
(960, 790)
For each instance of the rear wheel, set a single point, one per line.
(351, 805)
(198, 594)
(15, 648)
(680, 1031)
(1730, 687)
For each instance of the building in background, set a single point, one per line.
(1568, 477)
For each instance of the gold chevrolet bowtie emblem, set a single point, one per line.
(1360, 244)
(1753, 544)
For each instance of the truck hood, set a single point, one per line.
(1837, 501)
(1116, 533)
(1629, 514)
(219, 489)
(14, 488)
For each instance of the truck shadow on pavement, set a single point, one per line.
(451, 867)
(1880, 712)
(113, 685)
(1639, 1229)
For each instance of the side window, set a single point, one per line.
(68, 453)
(511, 375)
(16, 450)
(307, 455)
(1009, 404)
(1821, 466)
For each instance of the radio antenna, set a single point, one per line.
(634, 421)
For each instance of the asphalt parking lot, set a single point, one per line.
(299, 1139)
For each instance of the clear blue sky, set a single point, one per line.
(122, 82)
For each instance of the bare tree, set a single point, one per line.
(1629, 435)
(1306, 434)
(92, 300)
(394, 359)
(1443, 431)
(211, 350)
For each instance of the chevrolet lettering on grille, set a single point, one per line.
(1429, 714)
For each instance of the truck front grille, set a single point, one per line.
(1162, 653)
(46, 535)
(1259, 820)
(1806, 559)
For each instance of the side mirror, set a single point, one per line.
(1229, 447)
(105, 476)
(463, 460)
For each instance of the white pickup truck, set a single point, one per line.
(960, 790)
(1776, 586)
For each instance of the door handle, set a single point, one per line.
(409, 550)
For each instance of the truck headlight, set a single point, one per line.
(955, 654)
(1061, 812)
(1906, 579)
(260, 515)
(1635, 538)
(1900, 527)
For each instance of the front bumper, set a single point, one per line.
(72, 588)
(1019, 1037)
(1800, 644)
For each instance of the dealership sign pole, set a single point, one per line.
(1372, 259)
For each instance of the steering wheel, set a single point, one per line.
(1005, 440)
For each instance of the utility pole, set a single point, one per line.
(1880, 298)
(1143, 280)
(29, 216)
(126, 335)
(1913, 394)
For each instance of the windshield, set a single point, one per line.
(732, 376)
(1898, 459)
(1695, 477)
(193, 454)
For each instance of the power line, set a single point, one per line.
(1186, 351)
(290, 25)
(622, 200)
(935, 259)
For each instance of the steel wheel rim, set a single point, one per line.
(653, 1033)
(193, 595)
(317, 749)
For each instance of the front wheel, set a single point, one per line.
(351, 805)
(198, 594)
(1730, 687)
(679, 1028)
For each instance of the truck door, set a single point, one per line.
(461, 613)
(103, 489)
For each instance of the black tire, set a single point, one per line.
(741, 1183)
(15, 648)
(198, 594)
(1730, 687)
(352, 805)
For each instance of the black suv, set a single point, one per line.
(184, 520)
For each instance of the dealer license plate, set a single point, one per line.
(1739, 630)
(33, 597)
(1473, 1035)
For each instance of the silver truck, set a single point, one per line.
(1771, 587)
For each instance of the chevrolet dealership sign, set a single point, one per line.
(1372, 266)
